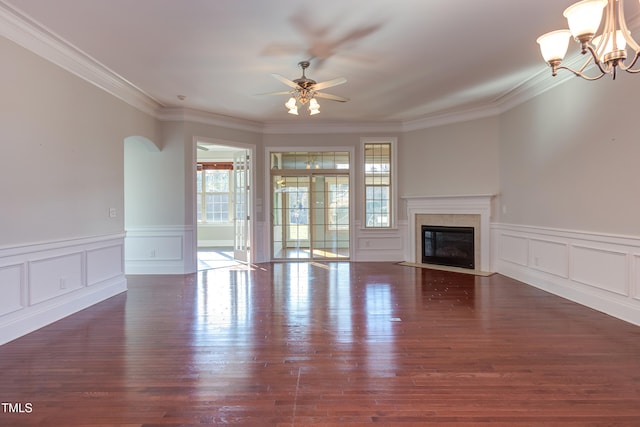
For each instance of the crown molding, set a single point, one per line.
(26, 32)
(17, 27)
(204, 117)
(473, 113)
(329, 127)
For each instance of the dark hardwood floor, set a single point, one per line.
(326, 344)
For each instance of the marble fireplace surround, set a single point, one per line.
(469, 211)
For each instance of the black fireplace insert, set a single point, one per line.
(450, 246)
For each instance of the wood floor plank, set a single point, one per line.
(325, 344)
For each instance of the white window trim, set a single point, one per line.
(394, 180)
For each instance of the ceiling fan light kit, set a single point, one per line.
(607, 49)
(305, 90)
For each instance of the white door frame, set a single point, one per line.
(252, 194)
(268, 196)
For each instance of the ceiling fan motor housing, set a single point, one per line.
(303, 81)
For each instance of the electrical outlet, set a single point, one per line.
(112, 212)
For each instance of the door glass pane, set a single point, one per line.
(331, 216)
(310, 205)
(291, 216)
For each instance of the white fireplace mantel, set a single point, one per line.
(479, 204)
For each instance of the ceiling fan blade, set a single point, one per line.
(330, 97)
(286, 81)
(284, 92)
(329, 83)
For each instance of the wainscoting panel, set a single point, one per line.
(160, 250)
(154, 248)
(55, 276)
(597, 270)
(549, 256)
(104, 264)
(587, 268)
(379, 245)
(44, 282)
(11, 288)
(514, 249)
(636, 277)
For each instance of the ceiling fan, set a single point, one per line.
(304, 90)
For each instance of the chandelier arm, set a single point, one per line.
(596, 60)
(579, 73)
(629, 68)
(625, 30)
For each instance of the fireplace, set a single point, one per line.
(450, 246)
(450, 211)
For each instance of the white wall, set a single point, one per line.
(61, 152)
(61, 175)
(456, 159)
(569, 158)
(568, 215)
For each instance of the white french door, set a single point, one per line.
(241, 194)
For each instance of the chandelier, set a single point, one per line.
(302, 96)
(607, 49)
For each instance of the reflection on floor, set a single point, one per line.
(209, 258)
(305, 253)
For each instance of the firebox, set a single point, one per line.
(450, 246)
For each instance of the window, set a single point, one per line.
(213, 182)
(378, 183)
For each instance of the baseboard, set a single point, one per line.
(36, 317)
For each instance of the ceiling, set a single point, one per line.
(404, 61)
